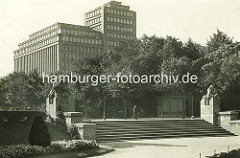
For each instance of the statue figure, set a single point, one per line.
(210, 94)
(51, 94)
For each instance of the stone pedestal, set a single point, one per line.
(73, 117)
(57, 101)
(209, 109)
(86, 130)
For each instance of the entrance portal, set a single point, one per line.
(175, 106)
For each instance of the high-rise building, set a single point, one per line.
(56, 47)
(116, 21)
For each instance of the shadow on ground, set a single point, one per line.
(133, 144)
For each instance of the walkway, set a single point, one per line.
(173, 148)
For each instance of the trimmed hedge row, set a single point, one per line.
(24, 151)
(231, 154)
(20, 116)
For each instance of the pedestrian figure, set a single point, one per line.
(134, 111)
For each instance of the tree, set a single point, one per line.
(222, 69)
(92, 95)
(22, 91)
(217, 40)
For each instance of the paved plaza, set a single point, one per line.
(173, 148)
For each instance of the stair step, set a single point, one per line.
(102, 140)
(156, 131)
(107, 131)
(160, 133)
(166, 126)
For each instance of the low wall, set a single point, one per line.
(73, 117)
(15, 126)
(86, 130)
(228, 120)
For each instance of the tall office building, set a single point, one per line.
(116, 21)
(56, 47)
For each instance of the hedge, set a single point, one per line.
(25, 151)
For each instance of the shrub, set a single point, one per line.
(39, 133)
(24, 151)
(73, 132)
(231, 154)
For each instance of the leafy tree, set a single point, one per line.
(217, 40)
(153, 55)
(22, 91)
(93, 95)
(222, 69)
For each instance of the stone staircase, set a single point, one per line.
(120, 130)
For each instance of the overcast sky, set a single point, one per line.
(197, 19)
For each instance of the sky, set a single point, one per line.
(195, 19)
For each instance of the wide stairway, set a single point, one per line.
(120, 130)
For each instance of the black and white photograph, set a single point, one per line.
(120, 78)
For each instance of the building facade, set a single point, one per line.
(116, 21)
(56, 47)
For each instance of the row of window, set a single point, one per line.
(82, 40)
(40, 38)
(37, 45)
(120, 28)
(97, 28)
(75, 48)
(112, 43)
(93, 21)
(44, 31)
(93, 13)
(80, 33)
(78, 55)
(119, 20)
(117, 5)
(119, 12)
(120, 36)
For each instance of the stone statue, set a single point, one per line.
(51, 94)
(210, 94)
(209, 91)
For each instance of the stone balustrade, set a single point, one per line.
(228, 120)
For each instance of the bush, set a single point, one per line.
(231, 154)
(24, 151)
(73, 132)
(39, 133)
